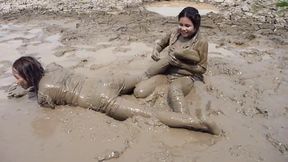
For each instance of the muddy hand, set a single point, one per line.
(175, 62)
(155, 55)
(17, 91)
(12, 87)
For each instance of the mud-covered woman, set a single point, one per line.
(58, 86)
(184, 63)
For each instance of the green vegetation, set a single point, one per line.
(282, 3)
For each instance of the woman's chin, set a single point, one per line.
(185, 35)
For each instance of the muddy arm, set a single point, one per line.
(200, 68)
(45, 101)
(196, 69)
(191, 56)
(163, 43)
(160, 46)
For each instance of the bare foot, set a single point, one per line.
(212, 127)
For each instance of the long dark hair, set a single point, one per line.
(29, 69)
(193, 14)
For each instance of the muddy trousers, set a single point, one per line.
(151, 80)
(177, 91)
(122, 109)
(158, 67)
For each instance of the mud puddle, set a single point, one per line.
(173, 8)
(245, 92)
(68, 133)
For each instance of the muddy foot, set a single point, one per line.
(212, 127)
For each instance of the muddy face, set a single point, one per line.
(186, 27)
(19, 79)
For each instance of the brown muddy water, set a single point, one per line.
(245, 94)
(75, 134)
(173, 8)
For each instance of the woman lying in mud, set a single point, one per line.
(58, 86)
(186, 61)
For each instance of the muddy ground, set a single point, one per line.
(245, 90)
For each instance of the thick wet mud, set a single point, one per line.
(245, 91)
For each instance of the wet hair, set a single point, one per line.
(192, 14)
(29, 69)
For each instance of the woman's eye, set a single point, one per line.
(187, 26)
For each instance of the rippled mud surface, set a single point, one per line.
(245, 91)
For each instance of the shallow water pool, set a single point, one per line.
(173, 8)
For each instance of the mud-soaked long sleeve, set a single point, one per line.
(163, 43)
(188, 55)
(59, 87)
(202, 48)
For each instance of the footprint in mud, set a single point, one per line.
(62, 50)
(112, 154)
(121, 49)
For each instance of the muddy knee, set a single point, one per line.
(176, 99)
(122, 109)
(146, 87)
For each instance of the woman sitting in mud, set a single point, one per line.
(186, 61)
(58, 86)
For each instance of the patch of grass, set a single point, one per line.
(282, 3)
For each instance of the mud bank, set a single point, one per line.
(245, 90)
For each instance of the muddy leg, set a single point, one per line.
(178, 120)
(178, 89)
(158, 67)
(122, 109)
(146, 87)
(129, 82)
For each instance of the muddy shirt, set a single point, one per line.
(196, 46)
(61, 87)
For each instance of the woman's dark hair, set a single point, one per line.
(193, 14)
(29, 69)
